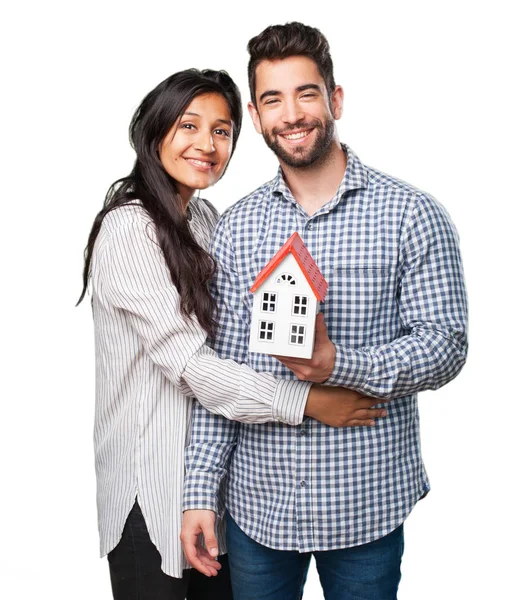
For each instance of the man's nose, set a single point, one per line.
(292, 112)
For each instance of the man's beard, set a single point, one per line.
(302, 157)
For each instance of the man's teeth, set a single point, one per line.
(295, 136)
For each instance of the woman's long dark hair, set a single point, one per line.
(190, 266)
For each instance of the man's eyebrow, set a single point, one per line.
(308, 86)
(269, 93)
(300, 88)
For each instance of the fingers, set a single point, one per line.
(360, 423)
(206, 559)
(208, 565)
(190, 546)
(370, 413)
(199, 559)
(365, 417)
(209, 571)
(302, 370)
(291, 362)
(321, 329)
(367, 402)
(208, 531)
(194, 524)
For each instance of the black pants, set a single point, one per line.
(135, 570)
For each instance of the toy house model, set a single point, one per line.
(287, 293)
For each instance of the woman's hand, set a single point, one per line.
(341, 407)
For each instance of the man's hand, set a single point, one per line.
(318, 368)
(195, 523)
(340, 407)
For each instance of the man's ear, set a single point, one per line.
(337, 102)
(255, 116)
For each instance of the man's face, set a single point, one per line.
(293, 110)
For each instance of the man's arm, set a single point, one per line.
(212, 441)
(433, 312)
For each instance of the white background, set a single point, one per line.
(430, 97)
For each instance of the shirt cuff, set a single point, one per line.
(198, 494)
(290, 399)
(351, 369)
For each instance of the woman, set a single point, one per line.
(152, 310)
(147, 260)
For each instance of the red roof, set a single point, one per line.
(304, 259)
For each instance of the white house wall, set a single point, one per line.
(282, 317)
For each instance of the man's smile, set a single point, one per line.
(296, 136)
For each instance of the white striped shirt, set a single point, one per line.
(149, 361)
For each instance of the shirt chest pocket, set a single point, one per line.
(360, 303)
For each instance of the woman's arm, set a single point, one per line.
(133, 277)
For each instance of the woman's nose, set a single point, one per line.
(204, 142)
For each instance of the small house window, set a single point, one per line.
(297, 336)
(266, 331)
(299, 307)
(286, 278)
(268, 302)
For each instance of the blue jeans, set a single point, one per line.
(367, 572)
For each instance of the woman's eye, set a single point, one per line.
(223, 132)
(187, 126)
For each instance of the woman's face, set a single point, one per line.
(197, 148)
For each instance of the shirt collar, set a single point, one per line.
(356, 177)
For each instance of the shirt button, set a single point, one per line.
(303, 432)
(309, 227)
(303, 483)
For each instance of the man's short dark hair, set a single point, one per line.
(292, 39)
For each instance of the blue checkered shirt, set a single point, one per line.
(396, 311)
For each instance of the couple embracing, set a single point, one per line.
(299, 457)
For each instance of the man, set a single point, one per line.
(396, 315)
